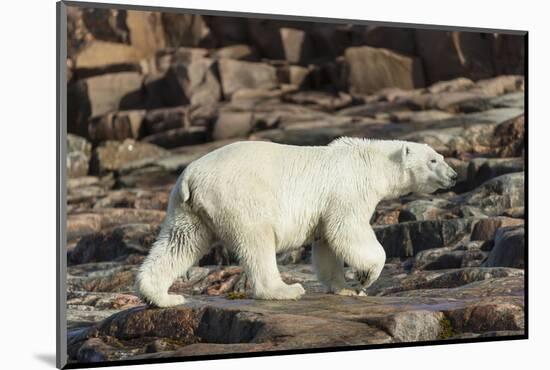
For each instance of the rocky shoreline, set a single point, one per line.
(140, 110)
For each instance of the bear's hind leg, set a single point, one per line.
(258, 256)
(180, 244)
(330, 270)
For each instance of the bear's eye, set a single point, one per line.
(433, 161)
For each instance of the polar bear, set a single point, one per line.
(260, 198)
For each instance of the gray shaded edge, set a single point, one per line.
(297, 18)
(61, 193)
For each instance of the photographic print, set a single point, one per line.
(251, 184)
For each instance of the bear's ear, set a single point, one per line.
(406, 156)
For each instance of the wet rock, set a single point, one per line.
(236, 75)
(79, 152)
(371, 69)
(113, 155)
(509, 248)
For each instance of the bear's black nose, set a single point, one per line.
(454, 176)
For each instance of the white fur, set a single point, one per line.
(261, 198)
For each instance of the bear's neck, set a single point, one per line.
(386, 179)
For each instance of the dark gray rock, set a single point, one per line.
(493, 197)
(483, 169)
(109, 245)
(408, 238)
(509, 248)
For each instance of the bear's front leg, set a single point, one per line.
(330, 270)
(357, 246)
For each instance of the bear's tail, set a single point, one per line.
(185, 192)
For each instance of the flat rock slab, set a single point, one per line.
(216, 325)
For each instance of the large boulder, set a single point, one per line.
(371, 69)
(495, 196)
(450, 54)
(408, 238)
(192, 82)
(236, 75)
(96, 96)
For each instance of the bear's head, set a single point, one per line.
(426, 168)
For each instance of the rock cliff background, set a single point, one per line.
(149, 92)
